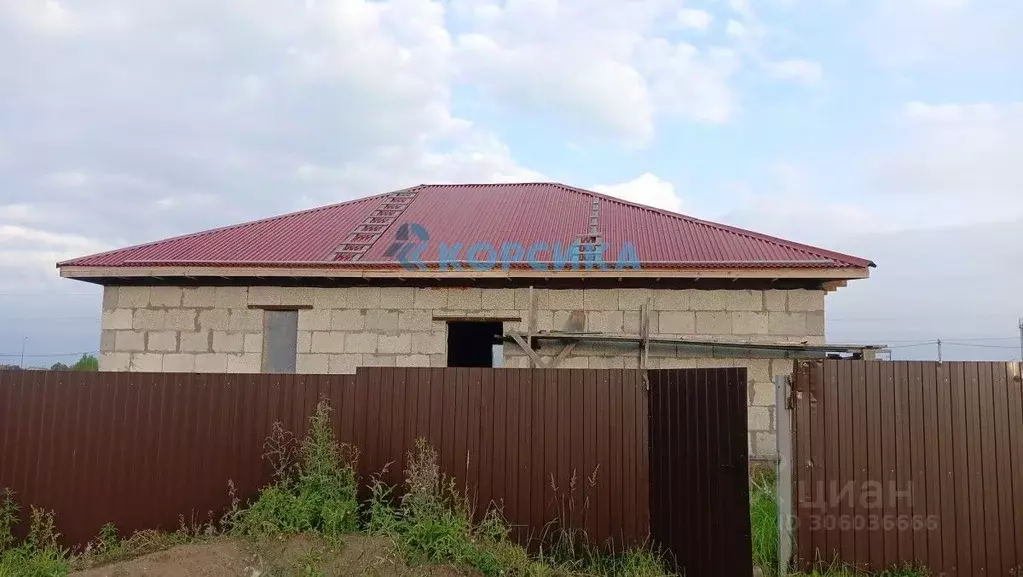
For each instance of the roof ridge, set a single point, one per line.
(725, 227)
(228, 227)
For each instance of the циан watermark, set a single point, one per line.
(851, 506)
(412, 241)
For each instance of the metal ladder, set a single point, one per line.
(376, 223)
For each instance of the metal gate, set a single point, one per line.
(699, 473)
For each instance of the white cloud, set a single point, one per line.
(694, 19)
(736, 28)
(797, 69)
(646, 189)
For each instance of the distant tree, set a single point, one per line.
(86, 363)
(60, 367)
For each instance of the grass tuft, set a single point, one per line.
(39, 555)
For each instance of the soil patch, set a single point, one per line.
(299, 556)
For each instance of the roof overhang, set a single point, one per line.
(831, 275)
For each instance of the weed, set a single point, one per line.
(8, 519)
(39, 555)
(317, 494)
(763, 505)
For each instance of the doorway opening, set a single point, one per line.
(475, 344)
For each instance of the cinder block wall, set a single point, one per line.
(212, 329)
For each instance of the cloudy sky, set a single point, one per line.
(890, 129)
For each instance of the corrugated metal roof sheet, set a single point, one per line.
(523, 213)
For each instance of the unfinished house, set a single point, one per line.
(496, 275)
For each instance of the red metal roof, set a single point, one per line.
(523, 213)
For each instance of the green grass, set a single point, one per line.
(38, 555)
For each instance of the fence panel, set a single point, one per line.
(143, 450)
(909, 462)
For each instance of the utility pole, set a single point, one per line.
(23, 341)
(1021, 340)
(939, 350)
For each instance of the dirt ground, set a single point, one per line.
(357, 555)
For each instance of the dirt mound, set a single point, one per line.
(357, 555)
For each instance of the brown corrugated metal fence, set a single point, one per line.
(142, 449)
(910, 462)
(699, 457)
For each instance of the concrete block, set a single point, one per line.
(181, 320)
(673, 300)
(132, 297)
(544, 320)
(438, 361)
(344, 364)
(494, 299)
(179, 363)
(162, 341)
(117, 319)
(758, 370)
(787, 324)
(604, 321)
(146, 362)
(195, 342)
(775, 301)
(633, 299)
(363, 342)
(412, 361)
(631, 322)
(541, 295)
(314, 320)
(763, 394)
(573, 362)
(228, 342)
(396, 298)
(430, 298)
(130, 341)
(600, 299)
(347, 320)
(364, 297)
(264, 295)
(764, 445)
(759, 419)
(213, 320)
(231, 297)
(709, 300)
(469, 299)
(781, 368)
(677, 363)
(305, 342)
(801, 300)
(245, 320)
(199, 297)
(379, 360)
(815, 323)
(149, 319)
(713, 323)
(415, 321)
(114, 361)
(331, 298)
(382, 320)
(211, 363)
(109, 297)
(312, 364)
(749, 323)
(675, 322)
(107, 341)
(253, 343)
(394, 343)
(328, 342)
(429, 343)
(607, 362)
(165, 296)
(245, 363)
(745, 301)
(298, 296)
(565, 299)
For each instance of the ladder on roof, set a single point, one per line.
(591, 244)
(367, 232)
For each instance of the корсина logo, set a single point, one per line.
(412, 240)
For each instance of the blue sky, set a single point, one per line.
(890, 129)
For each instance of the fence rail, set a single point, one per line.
(910, 462)
(143, 449)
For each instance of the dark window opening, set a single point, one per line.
(280, 341)
(475, 344)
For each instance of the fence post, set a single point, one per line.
(783, 437)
